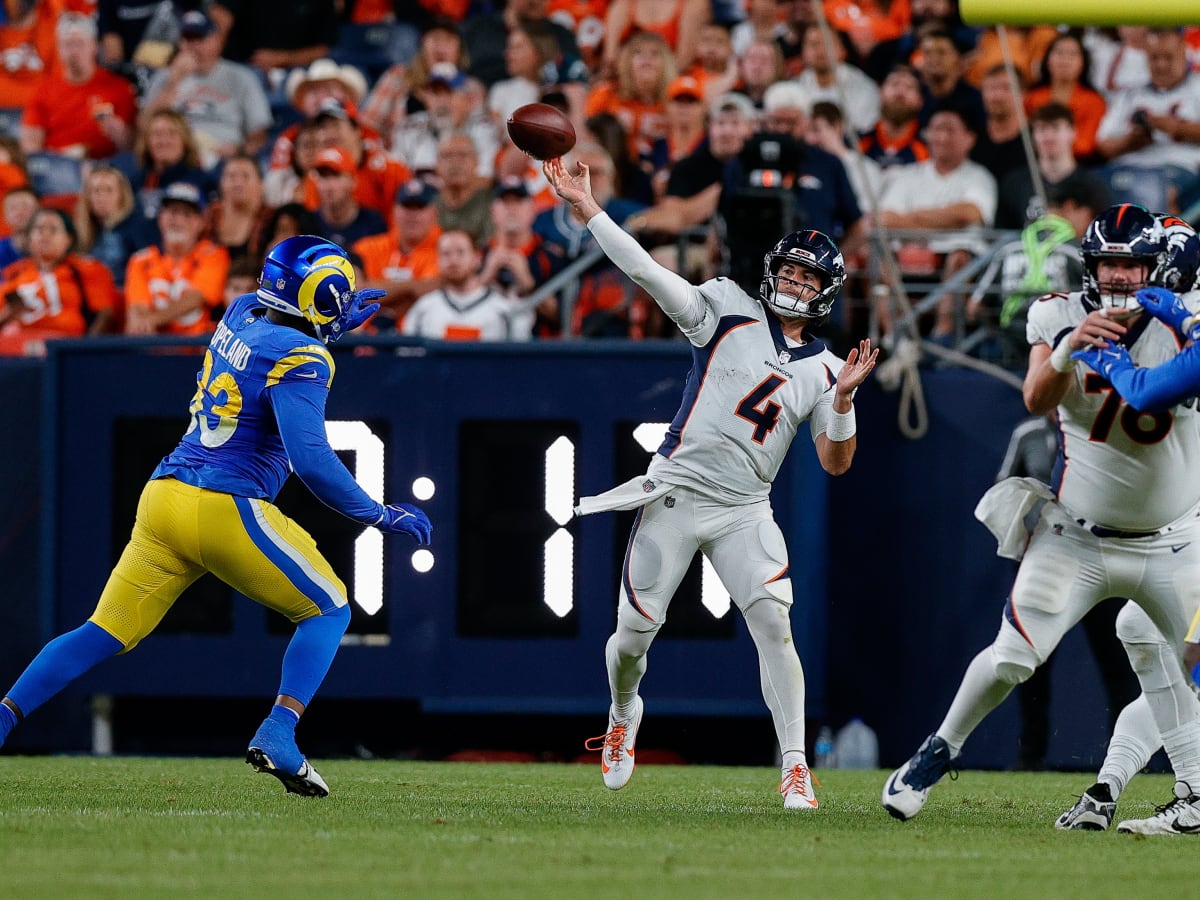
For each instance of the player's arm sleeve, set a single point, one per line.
(680, 299)
(1164, 386)
(300, 413)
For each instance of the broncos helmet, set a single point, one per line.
(309, 277)
(812, 250)
(1124, 231)
(1178, 269)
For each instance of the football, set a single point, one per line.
(541, 131)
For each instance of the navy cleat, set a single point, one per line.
(1093, 812)
(273, 750)
(907, 789)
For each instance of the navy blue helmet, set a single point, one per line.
(812, 250)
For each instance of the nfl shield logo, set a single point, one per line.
(669, 502)
(784, 357)
(279, 283)
(647, 485)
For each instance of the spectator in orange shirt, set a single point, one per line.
(1065, 79)
(869, 22)
(379, 176)
(79, 109)
(716, 66)
(645, 67)
(173, 286)
(404, 261)
(687, 119)
(676, 22)
(53, 293)
(27, 47)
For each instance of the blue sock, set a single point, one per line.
(8, 721)
(62, 661)
(311, 652)
(282, 715)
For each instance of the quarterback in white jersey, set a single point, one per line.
(1121, 519)
(756, 377)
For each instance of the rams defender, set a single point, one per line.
(757, 375)
(257, 415)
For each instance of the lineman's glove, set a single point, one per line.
(1166, 306)
(404, 518)
(356, 311)
(1106, 360)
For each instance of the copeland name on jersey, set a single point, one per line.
(749, 388)
(1119, 467)
(232, 444)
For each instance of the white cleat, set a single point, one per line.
(616, 747)
(1180, 816)
(797, 788)
(907, 789)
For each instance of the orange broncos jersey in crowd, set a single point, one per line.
(55, 301)
(153, 279)
(382, 258)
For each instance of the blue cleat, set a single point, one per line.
(907, 789)
(273, 750)
(8, 721)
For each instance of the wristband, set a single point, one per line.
(841, 426)
(1061, 357)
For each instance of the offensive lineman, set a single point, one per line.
(257, 415)
(756, 377)
(1123, 521)
(1135, 738)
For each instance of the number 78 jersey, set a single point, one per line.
(746, 396)
(1117, 466)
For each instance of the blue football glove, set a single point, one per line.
(356, 312)
(1106, 360)
(404, 518)
(1166, 306)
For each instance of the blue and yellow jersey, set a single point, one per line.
(259, 413)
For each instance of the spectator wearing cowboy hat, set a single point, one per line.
(307, 89)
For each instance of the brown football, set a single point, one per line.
(541, 131)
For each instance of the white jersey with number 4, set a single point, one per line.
(1118, 467)
(746, 396)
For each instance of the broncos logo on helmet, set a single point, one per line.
(1124, 231)
(1178, 268)
(812, 250)
(309, 277)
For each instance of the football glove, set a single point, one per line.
(1106, 360)
(404, 518)
(1166, 306)
(356, 312)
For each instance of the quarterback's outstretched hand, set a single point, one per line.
(1106, 360)
(575, 189)
(1166, 306)
(859, 363)
(357, 311)
(404, 518)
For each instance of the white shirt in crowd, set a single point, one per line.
(480, 315)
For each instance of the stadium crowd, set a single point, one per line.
(154, 152)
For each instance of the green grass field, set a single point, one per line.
(134, 827)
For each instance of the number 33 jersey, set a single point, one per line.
(232, 444)
(1117, 466)
(746, 396)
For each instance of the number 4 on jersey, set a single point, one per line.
(758, 410)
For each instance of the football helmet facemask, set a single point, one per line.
(1124, 231)
(811, 250)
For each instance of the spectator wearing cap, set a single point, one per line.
(307, 89)
(173, 286)
(686, 117)
(947, 193)
(395, 93)
(637, 98)
(223, 101)
(896, 137)
(378, 175)
(78, 108)
(463, 307)
(53, 292)
(404, 262)
(831, 78)
(453, 104)
(342, 218)
(28, 44)
(486, 37)
(515, 263)
(276, 34)
(465, 199)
